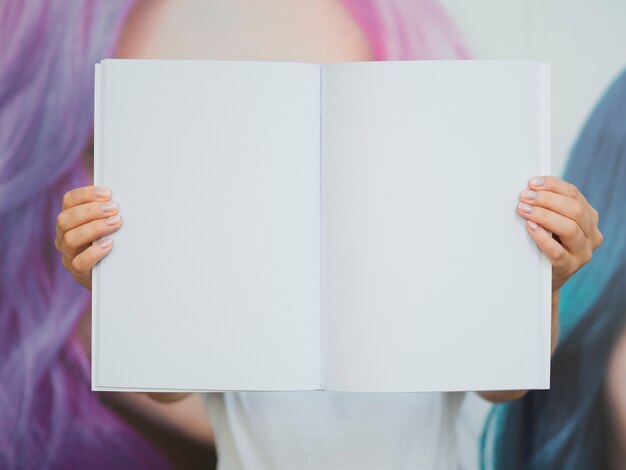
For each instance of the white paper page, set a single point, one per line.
(213, 281)
(430, 281)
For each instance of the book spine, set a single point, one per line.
(321, 234)
(95, 291)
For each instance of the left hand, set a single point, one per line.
(551, 204)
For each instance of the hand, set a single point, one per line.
(87, 214)
(551, 204)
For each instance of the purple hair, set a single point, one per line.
(48, 415)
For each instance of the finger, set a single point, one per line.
(567, 230)
(599, 239)
(75, 240)
(87, 259)
(67, 262)
(566, 206)
(85, 194)
(83, 213)
(556, 185)
(555, 252)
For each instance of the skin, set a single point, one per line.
(288, 30)
(616, 403)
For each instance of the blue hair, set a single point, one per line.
(567, 426)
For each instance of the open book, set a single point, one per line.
(297, 226)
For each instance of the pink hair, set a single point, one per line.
(48, 415)
(407, 29)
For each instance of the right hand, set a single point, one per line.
(87, 214)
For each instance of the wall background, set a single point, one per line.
(586, 44)
(584, 41)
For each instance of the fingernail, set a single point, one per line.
(102, 191)
(532, 225)
(105, 243)
(113, 220)
(108, 206)
(525, 207)
(528, 194)
(537, 181)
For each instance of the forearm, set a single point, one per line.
(500, 396)
(555, 319)
(167, 397)
(180, 431)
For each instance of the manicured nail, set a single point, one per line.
(105, 243)
(537, 181)
(108, 206)
(113, 220)
(102, 191)
(525, 208)
(528, 194)
(532, 225)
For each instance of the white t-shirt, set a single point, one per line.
(334, 430)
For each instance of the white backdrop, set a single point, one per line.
(585, 41)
